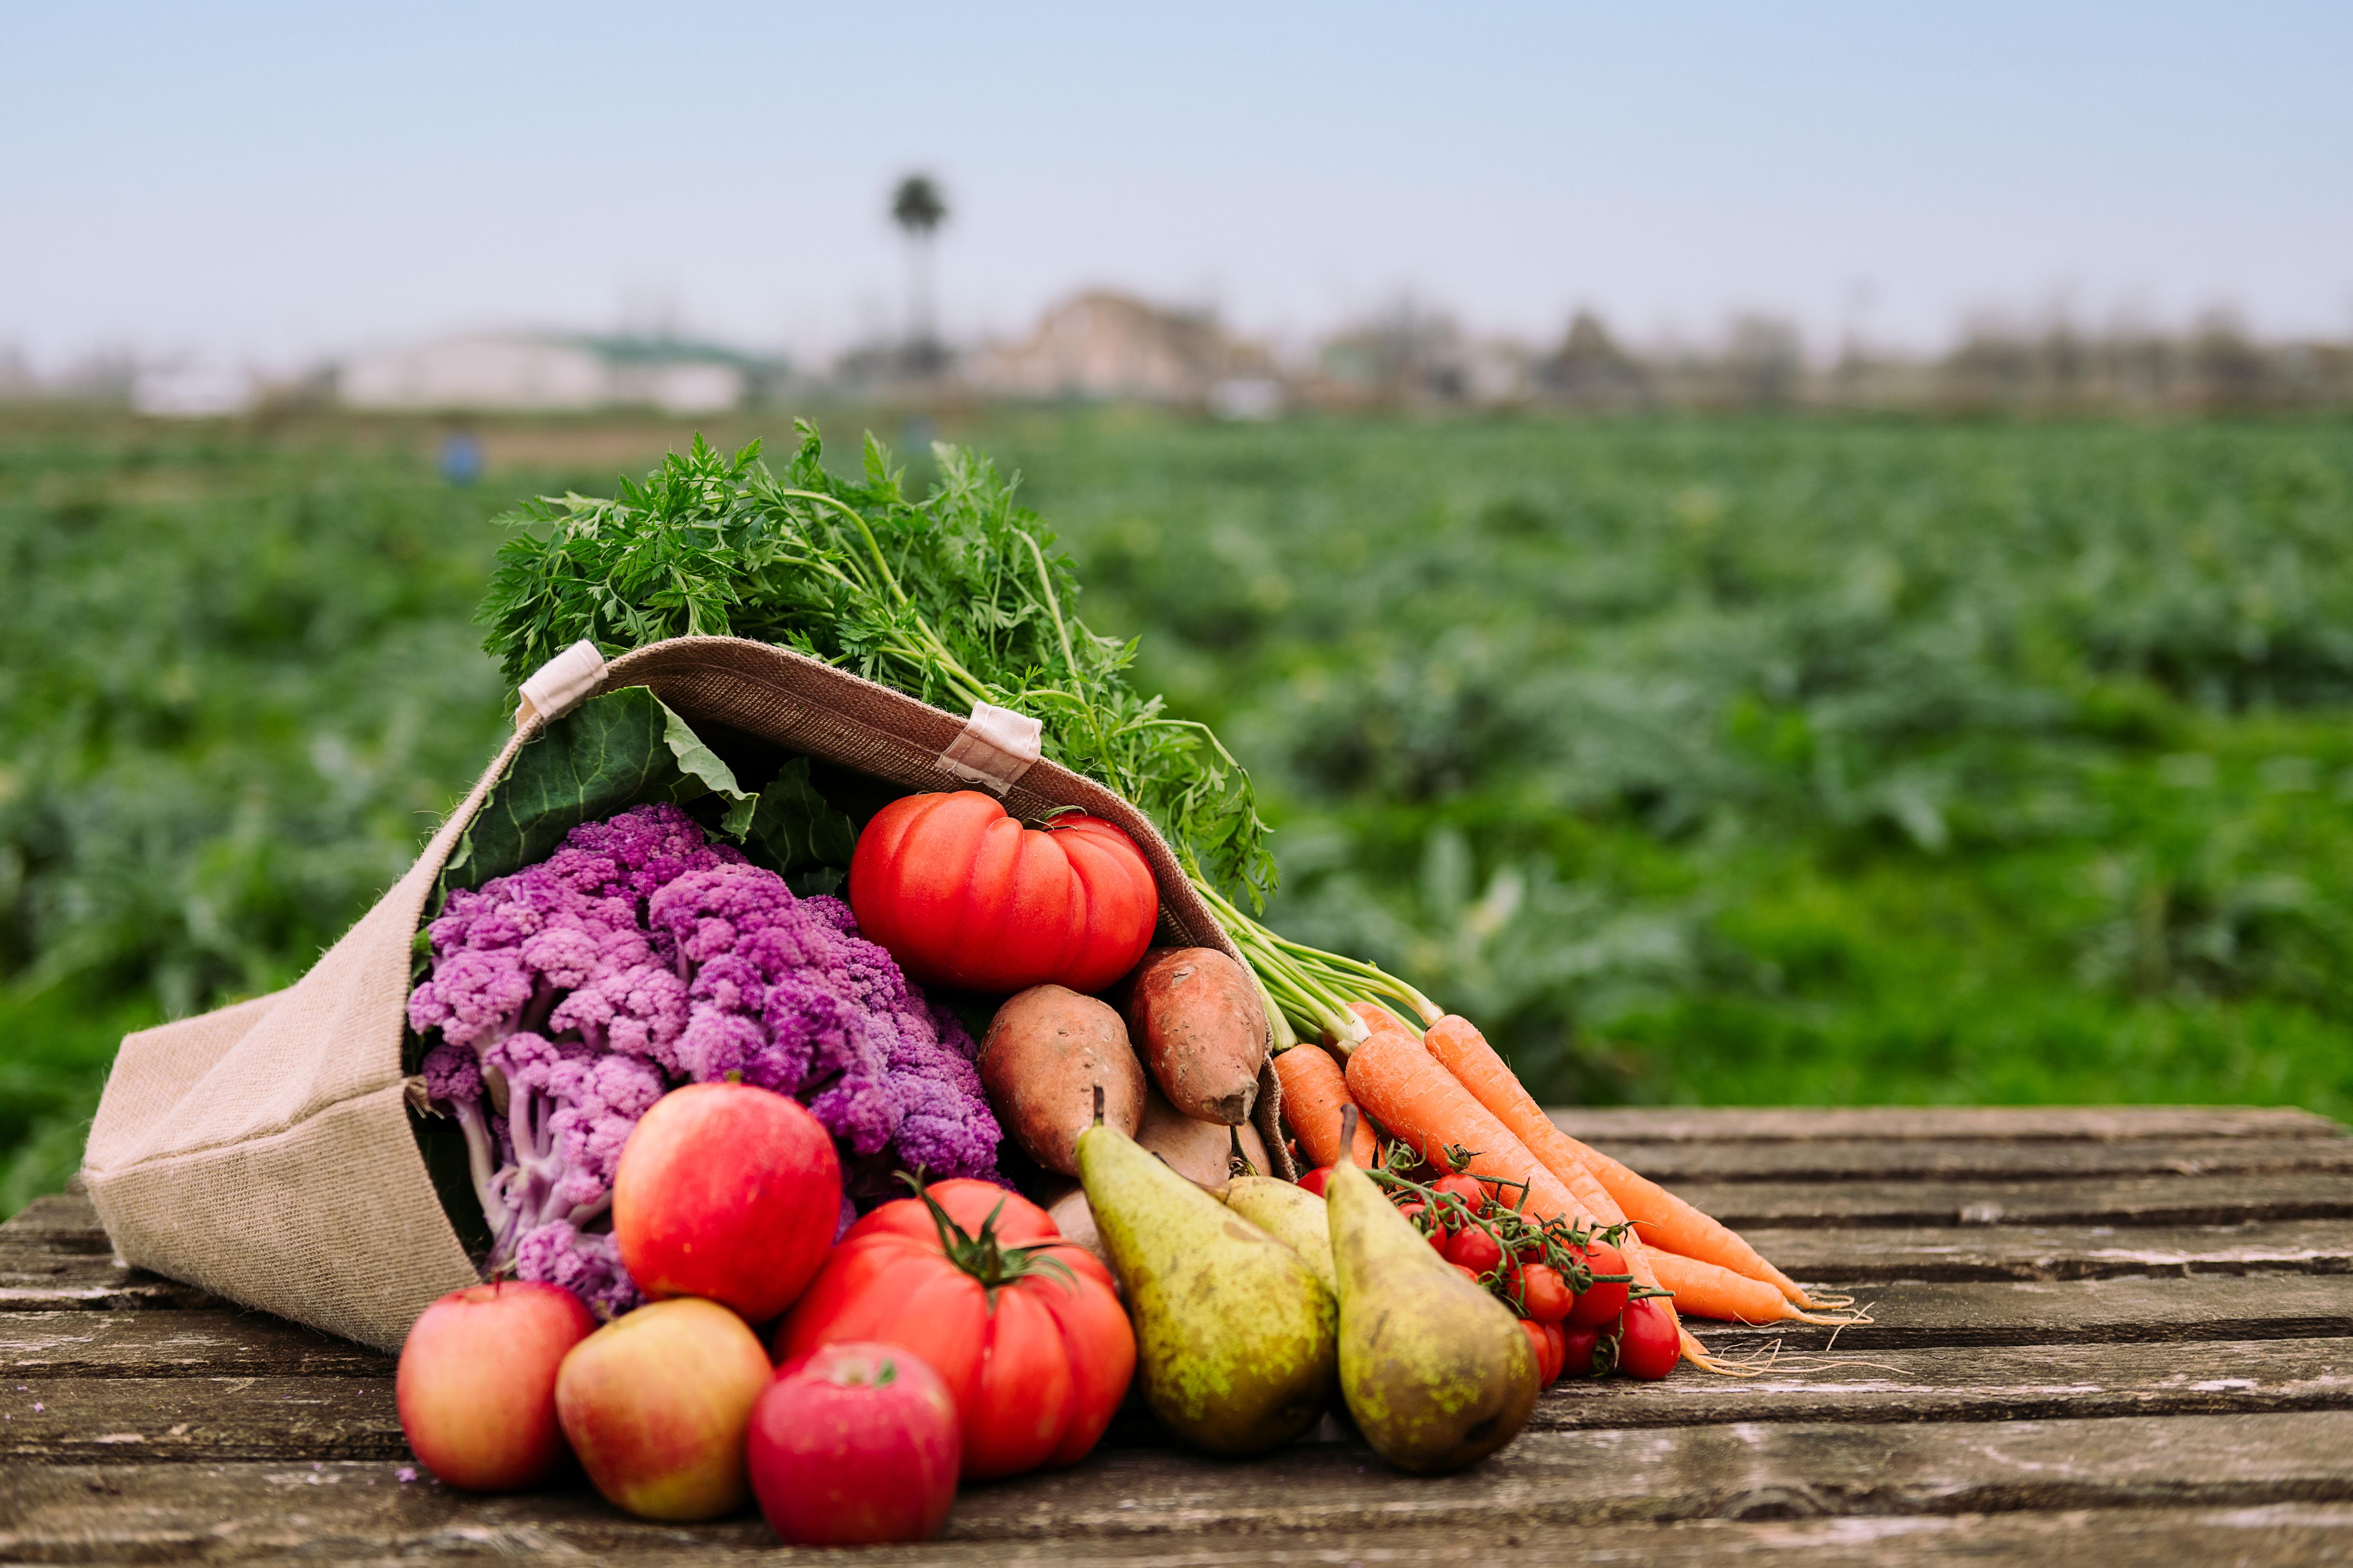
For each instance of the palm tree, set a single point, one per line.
(919, 209)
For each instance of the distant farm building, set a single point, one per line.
(1116, 347)
(523, 371)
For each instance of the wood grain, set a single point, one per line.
(1860, 1254)
(196, 1344)
(1950, 1159)
(359, 1514)
(1969, 1383)
(147, 1420)
(1546, 1480)
(48, 1283)
(2063, 1311)
(57, 1219)
(1804, 1124)
(126, 1416)
(2115, 1200)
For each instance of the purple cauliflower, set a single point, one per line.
(785, 993)
(572, 995)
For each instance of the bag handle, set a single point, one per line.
(994, 748)
(560, 685)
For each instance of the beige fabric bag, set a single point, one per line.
(263, 1151)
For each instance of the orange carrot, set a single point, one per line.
(1418, 1100)
(1707, 1290)
(1459, 1047)
(1462, 1051)
(1662, 1219)
(1392, 1076)
(1314, 1091)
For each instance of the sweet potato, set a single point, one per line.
(1046, 1049)
(1196, 1018)
(1200, 1152)
(1066, 1205)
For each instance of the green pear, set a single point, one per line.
(1436, 1371)
(1233, 1332)
(1293, 1215)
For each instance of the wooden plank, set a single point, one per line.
(55, 1258)
(141, 1419)
(2117, 1311)
(1866, 1159)
(355, 1516)
(2116, 1200)
(61, 1268)
(2015, 1382)
(1802, 1124)
(57, 1220)
(1856, 1253)
(84, 1418)
(176, 1344)
(1910, 1314)
(1720, 1471)
(89, 1285)
(1546, 1479)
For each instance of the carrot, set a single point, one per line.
(1708, 1290)
(1462, 1051)
(1419, 1100)
(1395, 1078)
(1601, 1209)
(1662, 1219)
(1313, 1091)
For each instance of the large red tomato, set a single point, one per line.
(1038, 1357)
(965, 896)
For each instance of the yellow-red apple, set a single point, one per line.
(657, 1403)
(476, 1388)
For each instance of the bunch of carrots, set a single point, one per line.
(1449, 1090)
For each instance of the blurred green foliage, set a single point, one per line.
(237, 682)
(1773, 761)
(1782, 761)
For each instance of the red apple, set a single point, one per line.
(727, 1191)
(655, 1405)
(476, 1384)
(854, 1444)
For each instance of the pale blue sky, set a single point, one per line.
(280, 182)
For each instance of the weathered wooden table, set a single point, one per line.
(2107, 1337)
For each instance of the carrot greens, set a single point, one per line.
(956, 597)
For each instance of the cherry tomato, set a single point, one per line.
(1463, 1186)
(1577, 1350)
(1545, 1340)
(1603, 1301)
(1474, 1249)
(1647, 1343)
(1544, 1294)
(1313, 1180)
(1465, 1269)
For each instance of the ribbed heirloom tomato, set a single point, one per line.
(1037, 1356)
(964, 896)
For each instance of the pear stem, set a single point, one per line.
(1099, 1102)
(1347, 1136)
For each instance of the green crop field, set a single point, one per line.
(1757, 761)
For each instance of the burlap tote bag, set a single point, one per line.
(263, 1151)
